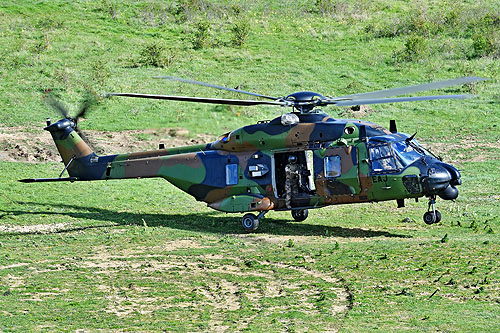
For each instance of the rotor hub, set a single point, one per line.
(305, 101)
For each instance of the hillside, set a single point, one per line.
(333, 47)
(141, 255)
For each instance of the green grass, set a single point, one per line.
(150, 257)
(141, 255)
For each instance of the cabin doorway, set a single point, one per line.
(306, 187)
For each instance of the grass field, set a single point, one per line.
(141, 255)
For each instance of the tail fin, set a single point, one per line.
(69, 144)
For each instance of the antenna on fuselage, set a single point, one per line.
(392, 126)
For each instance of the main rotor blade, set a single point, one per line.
(213, 86)
(412, 89)
(392, 100)
(241, 102)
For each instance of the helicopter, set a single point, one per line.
(337, 161)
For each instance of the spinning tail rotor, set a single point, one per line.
(86, 104)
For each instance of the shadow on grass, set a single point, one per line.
(211, 222)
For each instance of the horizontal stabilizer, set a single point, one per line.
(46, 180)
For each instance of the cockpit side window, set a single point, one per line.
(407, 153)
(382, 159)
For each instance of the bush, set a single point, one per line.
(240, 31)
(416, 48)
(416, 22)
(155, 54)
(489, 20)
(451, 20)
(485, 44)
(201, 35)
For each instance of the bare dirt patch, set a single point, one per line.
(32, 229)
(12, 281)
(217, 283)
(220, 285)
(20, 264)
(19, 144)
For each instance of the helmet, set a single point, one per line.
(292, 159)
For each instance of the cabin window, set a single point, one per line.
(382, 159)
(231, 174)
(332, 166)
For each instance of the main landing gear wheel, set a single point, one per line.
(432, 217)
(250, 222)
(300, 215)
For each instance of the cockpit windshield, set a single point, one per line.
(408, 152)
(394, 156)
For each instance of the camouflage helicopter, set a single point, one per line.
(337, 161)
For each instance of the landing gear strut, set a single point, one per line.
(432, 215)
(250, 222)
(300, 215)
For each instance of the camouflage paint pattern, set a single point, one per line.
(241, 171)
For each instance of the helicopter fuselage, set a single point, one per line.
(341, 161)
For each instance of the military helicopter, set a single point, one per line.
(338, 161)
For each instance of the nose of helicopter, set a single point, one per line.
(441, 179)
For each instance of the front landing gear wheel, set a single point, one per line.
(438, 216)
(250, 222)
(300, 215)
(432, 217)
